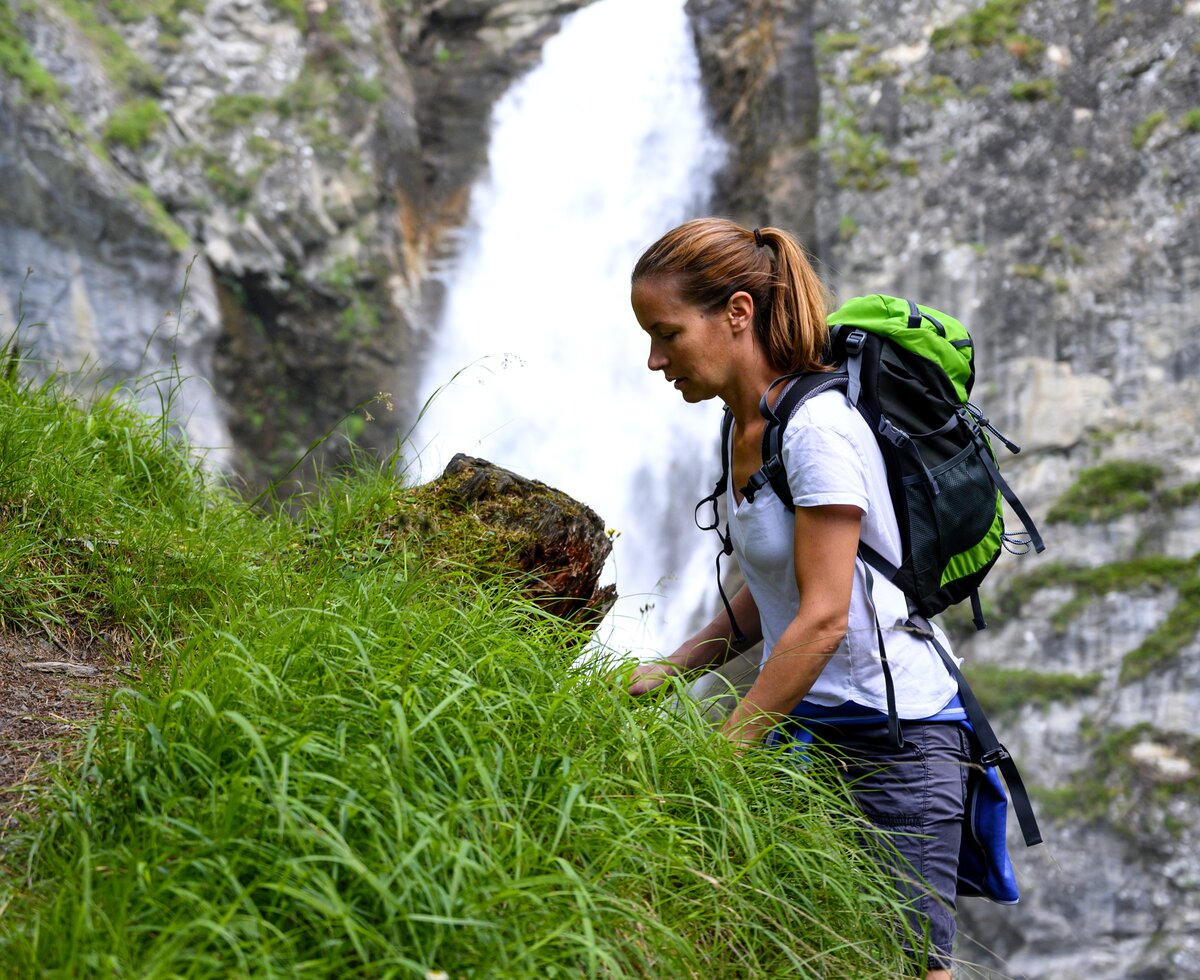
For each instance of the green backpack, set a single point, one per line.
(909, 370)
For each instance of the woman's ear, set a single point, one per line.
(740, 310)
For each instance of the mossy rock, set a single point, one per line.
(492, 521)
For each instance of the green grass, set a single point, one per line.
(17, 61)
(1006, 690)
(1034, 90)
(161, 219)
(1109, 788)
(1184, 495)
(236, 110)
(233, 188)
(859, 160)
(124, 67)
(292, 10)
(1145, 129)
(832, 42)
(935, 90)
(131, 125)
(1155, 573)
(1162, 646)
(351, 753)
(1027, 50)
(1029, 270)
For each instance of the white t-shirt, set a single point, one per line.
(831, 458)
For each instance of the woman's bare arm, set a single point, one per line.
(826, 543)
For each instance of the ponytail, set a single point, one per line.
(794, 333)
(710, 259)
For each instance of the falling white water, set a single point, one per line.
(593, 155)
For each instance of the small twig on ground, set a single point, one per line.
(61, 667)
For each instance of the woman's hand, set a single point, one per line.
(646, 677)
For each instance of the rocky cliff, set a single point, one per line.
(302, 164)
(1033, 166)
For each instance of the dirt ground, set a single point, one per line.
(50, 689)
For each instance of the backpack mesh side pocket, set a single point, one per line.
(951, 521)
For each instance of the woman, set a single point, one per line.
(728, 310)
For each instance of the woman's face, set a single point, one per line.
(692, 349)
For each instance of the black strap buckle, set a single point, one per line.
(764, 475)
(855, 340)
(994, 757)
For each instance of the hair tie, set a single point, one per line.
(758, 239)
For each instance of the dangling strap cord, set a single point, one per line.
(1022, 514)
(726, 537)
(739, 638)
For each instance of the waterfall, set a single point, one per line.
(594, 154)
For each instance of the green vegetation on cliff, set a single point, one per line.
(1150, 573)
(1118, 785)
(17, 60)
(993, 22)
(132, 123)
(343, 753)
(1105, 492)
(1006, 690)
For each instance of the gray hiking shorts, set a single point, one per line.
(916, 795)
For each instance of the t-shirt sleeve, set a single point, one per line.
(824, 466)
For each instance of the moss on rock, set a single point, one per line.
(1005, 690)
(491, 521)
(1105, 492)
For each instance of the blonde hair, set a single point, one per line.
(710, 259)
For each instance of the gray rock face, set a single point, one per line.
(1034, 167)
(760, 72)
(312, 164)
(91, 284)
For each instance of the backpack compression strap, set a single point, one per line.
(1000, 483)
(993, 753)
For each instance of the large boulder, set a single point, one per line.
(494, 521)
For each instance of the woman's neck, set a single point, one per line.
(747, 388)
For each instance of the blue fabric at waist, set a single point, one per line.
(852, 713)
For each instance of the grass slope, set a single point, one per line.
(345, 757)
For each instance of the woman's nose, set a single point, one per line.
(656, 361)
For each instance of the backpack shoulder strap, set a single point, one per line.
(722, 480)
(800, 387)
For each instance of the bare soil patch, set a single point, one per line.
(50, 690)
